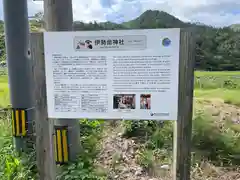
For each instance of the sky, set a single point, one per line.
(211, 12)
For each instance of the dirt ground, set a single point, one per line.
(118, 154)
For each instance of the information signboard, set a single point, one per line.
(120, 74)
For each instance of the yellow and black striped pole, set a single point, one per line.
(19, 122)
(61, 146)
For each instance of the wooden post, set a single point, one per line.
(44, 126)
(58, 17)
(183, 126)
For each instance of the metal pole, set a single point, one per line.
(17, 45)
(59, 17)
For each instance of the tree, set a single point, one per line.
(216, 48)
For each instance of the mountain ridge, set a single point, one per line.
(217, 49)
(160, 18)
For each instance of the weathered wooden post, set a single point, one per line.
(183, 125)
(44, 126)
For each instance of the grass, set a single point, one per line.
(217, 73)
(222, 85)
(83, 168)
(213, 145)
(214, 140)
(14, 166)
(4, 92)
(228, 96)
(213, 80)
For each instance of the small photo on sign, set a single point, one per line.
(124, 101)
(145, 101)
(84, 45)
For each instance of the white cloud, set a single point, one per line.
(212, 12)
(34, 7)
(88, 10)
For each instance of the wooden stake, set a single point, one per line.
(58, 17)
(183, 126)
(44, 126)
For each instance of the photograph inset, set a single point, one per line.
(145, 101)
(124, 101)
(83, 45)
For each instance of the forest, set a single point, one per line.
(217, 49)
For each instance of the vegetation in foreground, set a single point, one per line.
(212, 127)
(215, 124)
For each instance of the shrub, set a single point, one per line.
(83, 168)
(219, 146)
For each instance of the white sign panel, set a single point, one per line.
(125, 74)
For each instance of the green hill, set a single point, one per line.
(218, 49)
(235, 27)
(154, 19)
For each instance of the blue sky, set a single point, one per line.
(212, 12)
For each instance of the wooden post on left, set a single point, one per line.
(44, 126)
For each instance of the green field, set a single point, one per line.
(4, 92)
(213, 127)
(223, 85)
